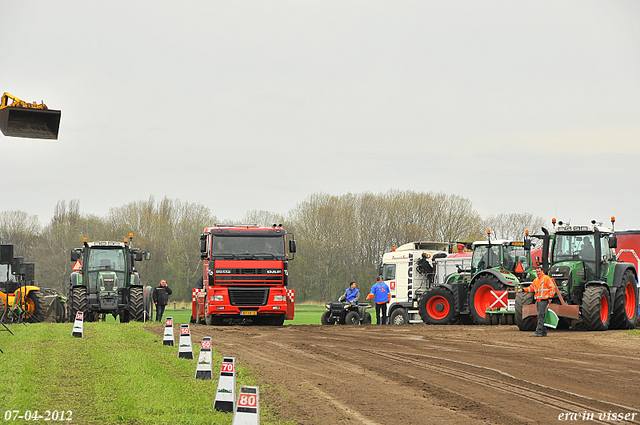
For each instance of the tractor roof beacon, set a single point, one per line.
(105, 281)
(594, 287)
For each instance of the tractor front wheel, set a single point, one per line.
(625, 311)
(482, 297)
(34, 307)
(527, 323)
(136, 304)
(78, 302)
(436, 307)
(595, 308)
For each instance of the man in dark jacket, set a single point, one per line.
(161, 298)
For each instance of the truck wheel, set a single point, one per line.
(528, 323)
(275, 321)
(625, 311)
(78, 302)
(208, 319)
(366, 318)
(399, 317)
(481, 298)
(352, 318)
(136, 304)
(436, 307)
(34, 306)
(326, 318)
(595, 308)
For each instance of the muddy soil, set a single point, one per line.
(418, 374)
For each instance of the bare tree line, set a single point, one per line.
(340, 238)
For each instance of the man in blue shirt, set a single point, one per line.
(352, 293)
(382, 295)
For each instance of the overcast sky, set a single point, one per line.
(243, 105)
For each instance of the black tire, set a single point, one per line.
(352, 318)
(595, 308)
(148, 303)
(528, 323)
(399, 316)
(77, 302)
(465, 319)
(34, 307)
(479, 296)
(625, 304)
(136, 304)
(208, 319)
(326, 319)
(275, 321)
(511, 319)
(366, 318)
(437, 307)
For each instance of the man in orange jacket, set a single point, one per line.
(544, 289)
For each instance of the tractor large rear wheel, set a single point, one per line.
(527, 323)
(34, 307)
(436, 307)
(78, 302)
(481, 298)
(595, 308)
(136, 304)
(625, 304)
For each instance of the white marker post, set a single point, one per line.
(168, 332)
(185, 351)
(78, 325)
(225, 395)
(204, 369)
(248, 410)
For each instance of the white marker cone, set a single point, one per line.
(78, 325)
(184, 343)
(168, 332)
(204, 369)
(248, 410)
(225, 396)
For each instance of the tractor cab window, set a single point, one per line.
(605, 251)
(102, 262)
(514, 255)
(485, 257)
(388, 272)
(576, 248)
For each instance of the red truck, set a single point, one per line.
(245, 276)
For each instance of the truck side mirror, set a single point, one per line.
(203, 243)
(613, 242)
(292, 246)
(6, 254)
(147, 255)
(527, 244)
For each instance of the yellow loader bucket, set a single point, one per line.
(21, 119)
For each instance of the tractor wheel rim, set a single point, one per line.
(630, 300)
(604, 309)
(433, 304)
(483, 299)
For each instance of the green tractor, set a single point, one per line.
(105, 281)
(593, 285)
(484, 294)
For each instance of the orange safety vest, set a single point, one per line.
(544, 288)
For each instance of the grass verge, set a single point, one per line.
(117, 374)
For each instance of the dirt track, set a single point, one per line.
(419, 374)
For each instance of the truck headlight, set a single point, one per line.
(279, 298)
(218, 298)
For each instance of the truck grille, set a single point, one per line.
(248, 296)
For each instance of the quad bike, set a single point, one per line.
(345, 313)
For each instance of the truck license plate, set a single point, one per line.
(248, 313)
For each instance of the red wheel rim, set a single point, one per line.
(432, 307)
(604, 309)
(483, 299)
(630, 300)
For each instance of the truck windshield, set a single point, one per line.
(254, 247)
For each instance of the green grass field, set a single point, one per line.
(117, 374)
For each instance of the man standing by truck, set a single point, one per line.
(544, 289)
(382, 294)
(161, 298)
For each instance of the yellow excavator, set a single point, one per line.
(23, 119)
